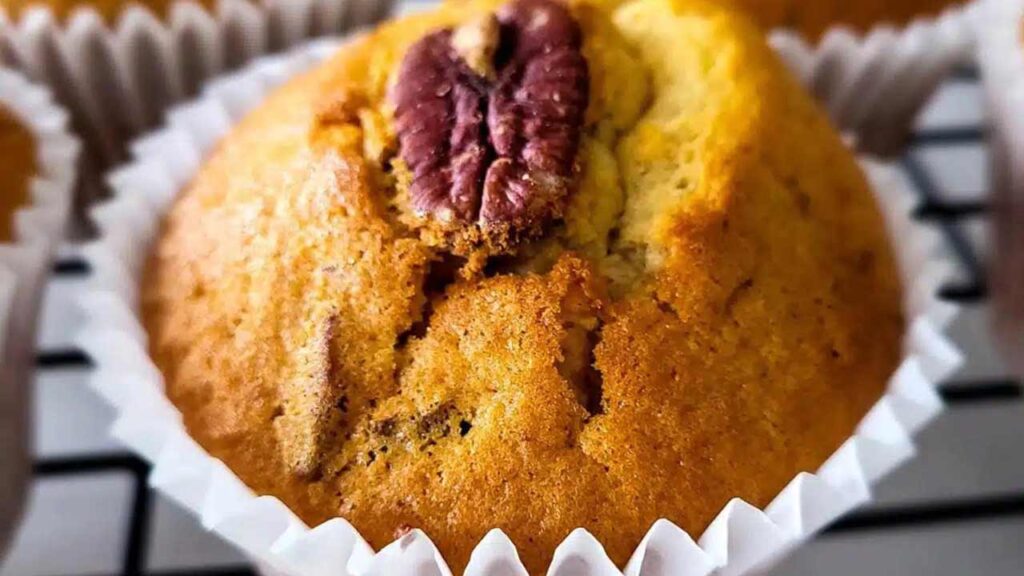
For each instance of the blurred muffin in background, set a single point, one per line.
(109, 9)
(632, 294)
(17, 167)
(813, 18)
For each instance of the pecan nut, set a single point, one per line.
(489, 120)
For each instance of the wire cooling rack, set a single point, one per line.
(958, 508)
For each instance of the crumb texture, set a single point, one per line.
(713, 313)
(17, 168)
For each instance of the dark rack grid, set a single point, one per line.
(945, 215)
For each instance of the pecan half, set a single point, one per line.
(488, 118)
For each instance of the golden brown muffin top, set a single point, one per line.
(707, 314)
(108, 9)
(17, 167)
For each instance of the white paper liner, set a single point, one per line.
(742, 538)
(1000, 29)
(117, 81)
(24, 261)
(874, 84)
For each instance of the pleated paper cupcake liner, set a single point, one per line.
(873, 84)
(118, 79)
(24, 261)
(1000, 29)
(741, 540)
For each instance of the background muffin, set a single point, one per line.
(38, 163)
(706, 314)
(109, 9)
(117, 71)
(813, 18)
(878, 71)
(1000, 26)
(17, 167)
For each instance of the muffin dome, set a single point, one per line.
(691, 308)
(17, 168)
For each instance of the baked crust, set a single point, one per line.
(715, 314)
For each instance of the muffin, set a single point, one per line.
(506, 265)
(1000, 27)
(17, 167)
(813, 18)
(109, 9)
(117, 69)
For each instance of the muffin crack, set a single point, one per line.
(578, 365)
